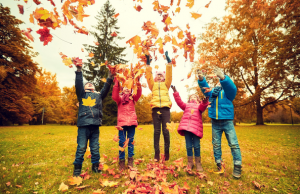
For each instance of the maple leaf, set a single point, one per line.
(88, 102)
(207, 5)
(103, 79)
(31, 19)
(195, 15)
(156, 5)
(168, 21)
(76, 61)
(44, 14)
(180, 35)
(75, 180)
(134, 41)
(210, 183)
(171, 126)
(67, 61)
(138, 8)
(174, 41)
(107, 183)
(126, 143)
(116, 15)
(156, 67)
(27, 33)
(45, 35)
(91, 54)
(21, 9)
(190, 3)
(177, 9)
(174, 49)
(114, 34)
(63, 187)
(167, 39)
(116, 138)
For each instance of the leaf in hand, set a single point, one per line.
(119, 128)
(88, 102)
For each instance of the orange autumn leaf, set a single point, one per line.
(75, 181)
(180, 35)
(138, 8)
(121, 149)
(31, 18)
(93, 64)
(189, 75)
(167, 39)
(134, 41)
(126, 143)
(190, 3)
(173, 28)
(82, 50)
(195, 15)
(103, 79)
(187, 86)
(114, 34)
(186, 186)
(177, 9)
(171, 126)
(116, 15)
(156, 5)
(168, 21)
(133, 142)
(91, 54)
(207, 5)
(178, 3)
(174, 41)
(188, 26)
(174, 49)
(116, 138)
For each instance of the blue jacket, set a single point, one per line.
(221, 107)
(90, 115)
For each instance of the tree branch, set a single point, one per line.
(246, 84)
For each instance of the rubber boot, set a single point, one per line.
(130, 162)
(95, 168)
(198, 164)
(190, 162)
(237, 171)
(121, 164)
(77, 170)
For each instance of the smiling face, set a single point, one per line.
(126, 90)
(159, 77)
(89, 86)
(194, 98)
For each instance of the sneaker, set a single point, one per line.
(237, 171)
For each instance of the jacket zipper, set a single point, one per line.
(217, 107)
(159, 94)
(189, 123)
(221, 95)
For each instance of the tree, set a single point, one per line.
(256, 45)
(176, 116)
(143, 109)
(70, 108)
(107, 50)
(17, 71)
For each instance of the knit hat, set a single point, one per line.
(85, 82)
(163, 73)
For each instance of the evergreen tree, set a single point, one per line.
(107, 50)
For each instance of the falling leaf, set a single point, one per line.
(63, 187)
(156, 67)
(67, 61)
(103, 79)
(82, 50)
(88, 102)
(190, 3)
(45, 35)
(187, 86)
(116, 15)
(195, 15)
(138, 8)
(126, 143)
(207, 5)
(114, 34)
(188, 26)
(168, 21)
(158, 112)
(21, 9)
(210, 183)
(91, 54)
(171, 126)
(192, 111)
(119, 128)
(177, 9)
(75, 180)
(116, 138)
(27, 33)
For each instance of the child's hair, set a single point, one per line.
(198, 98)
(163, 73)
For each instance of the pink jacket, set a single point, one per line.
(126, 112)
(192, 119)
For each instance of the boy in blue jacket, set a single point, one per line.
(89, 120)
(221, 113)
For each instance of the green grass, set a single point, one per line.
(39, 158)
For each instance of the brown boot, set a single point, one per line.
(190, 162)
(130, 162)
(121, 164)
(198, 164)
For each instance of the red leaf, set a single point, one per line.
(28, 33)
(114, 34)
(76, 61)
(51, 1)
(21, 9)
(45, 35)
(37, 2)
(116, 15)
(138, 8)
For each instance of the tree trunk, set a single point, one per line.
(259, 113)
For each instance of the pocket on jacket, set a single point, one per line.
(226, 109)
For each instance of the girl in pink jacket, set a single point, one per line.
(127, 120)
(191, 126)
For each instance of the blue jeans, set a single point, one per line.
(192, 141)
(218, 127)
(130, 131)
(86, 133)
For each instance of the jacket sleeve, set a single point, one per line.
(168, 75)
(203, 84)
(115, 92)
(79, 85)
(178, 100)
(203, 105)
(139, 93)
(106, 88)
(149, 77)
(229, 88)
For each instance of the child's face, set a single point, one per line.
(159, 77)
(126, 90)
(194, 98)
(89, 86)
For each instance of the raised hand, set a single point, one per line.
(207, 89)
(148, 59)
(219, 73)
(200, 75)
(79, 68)
(173, 88)
(167, 57)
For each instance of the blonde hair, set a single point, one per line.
(198, 98)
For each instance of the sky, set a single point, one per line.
(130, 22)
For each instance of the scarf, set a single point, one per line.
(125, 98)
(215, 93)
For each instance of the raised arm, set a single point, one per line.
(203, 84)
(139, 92)
(203, 105)
(79, 84)
(115, 93)
(228, 87)
(178, 100)
(168, 71)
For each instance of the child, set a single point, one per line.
(221, 113)
(160, 104)
(191, 126)
(127, 119)
(89, 120)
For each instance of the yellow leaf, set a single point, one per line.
(45, 14)
(220, 171)
(67, 61)
(156, 67)
(187, 86)
(82, 50)
(196, 15)
(88, 102)
(210, 183)
(177, 9)
(180, 35)
(168, 21)
(107, 183)
(192, 111)
(158, 112)
(75, 180)
(98, 191)
(93, 64)
(103, 79)
(190, 3)
(171, 126)
(105, 167)
(63, 187)
(102, 64)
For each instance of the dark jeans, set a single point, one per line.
(226, 126)
(160, 123)
(130, 131)
(192, 141)
(86, 133)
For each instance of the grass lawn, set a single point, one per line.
(39, 158)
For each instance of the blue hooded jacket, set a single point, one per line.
(90, 115)
(221, 107)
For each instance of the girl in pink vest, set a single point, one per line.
(127, 120)
(191, 126)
